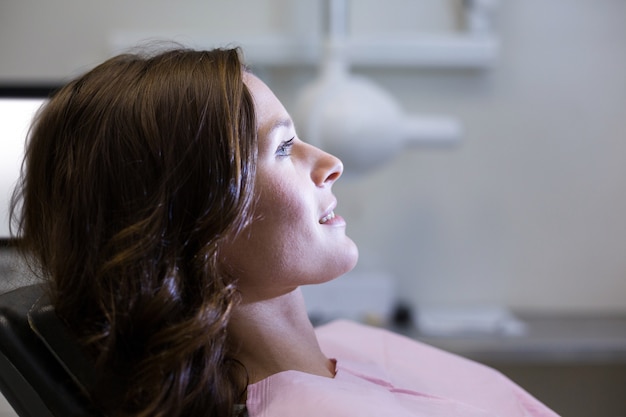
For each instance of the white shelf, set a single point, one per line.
(448, 51)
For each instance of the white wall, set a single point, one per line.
(528, 211)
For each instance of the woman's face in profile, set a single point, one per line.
(296, 237)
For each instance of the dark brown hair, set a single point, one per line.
(134, 173)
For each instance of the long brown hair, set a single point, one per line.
(134, 173)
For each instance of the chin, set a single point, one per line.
(354, 260)
(355, 253)
(346, 262)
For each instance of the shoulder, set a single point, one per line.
(382, 373)
(403, 359)
(405, 363)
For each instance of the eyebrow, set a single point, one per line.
(288, 123)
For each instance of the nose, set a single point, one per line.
(326, 169)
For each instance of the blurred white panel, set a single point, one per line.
(15, 117)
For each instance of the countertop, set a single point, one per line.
(548, 338)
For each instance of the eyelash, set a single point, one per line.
(284, 149)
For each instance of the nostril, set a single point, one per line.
(333, 176)
(335, 169)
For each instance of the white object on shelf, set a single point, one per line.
(468, 321)
(353, 118)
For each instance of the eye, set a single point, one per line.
(284, 149)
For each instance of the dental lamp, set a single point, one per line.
(355, 119)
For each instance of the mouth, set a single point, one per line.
(328, 217)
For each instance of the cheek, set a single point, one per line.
(281, 228)
(277, 233)
(282, 203)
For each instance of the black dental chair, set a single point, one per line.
(43, 372)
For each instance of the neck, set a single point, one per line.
(275, 335)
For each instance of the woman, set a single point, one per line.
(170, 204)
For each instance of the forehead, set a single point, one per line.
(269, 110)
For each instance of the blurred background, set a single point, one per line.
(518, 220)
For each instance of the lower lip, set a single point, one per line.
(335, 221)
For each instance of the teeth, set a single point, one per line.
(328, 217)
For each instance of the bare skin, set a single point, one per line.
(296, 239)
(276, 335)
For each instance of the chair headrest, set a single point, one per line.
(43, 370)
(62, 344)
